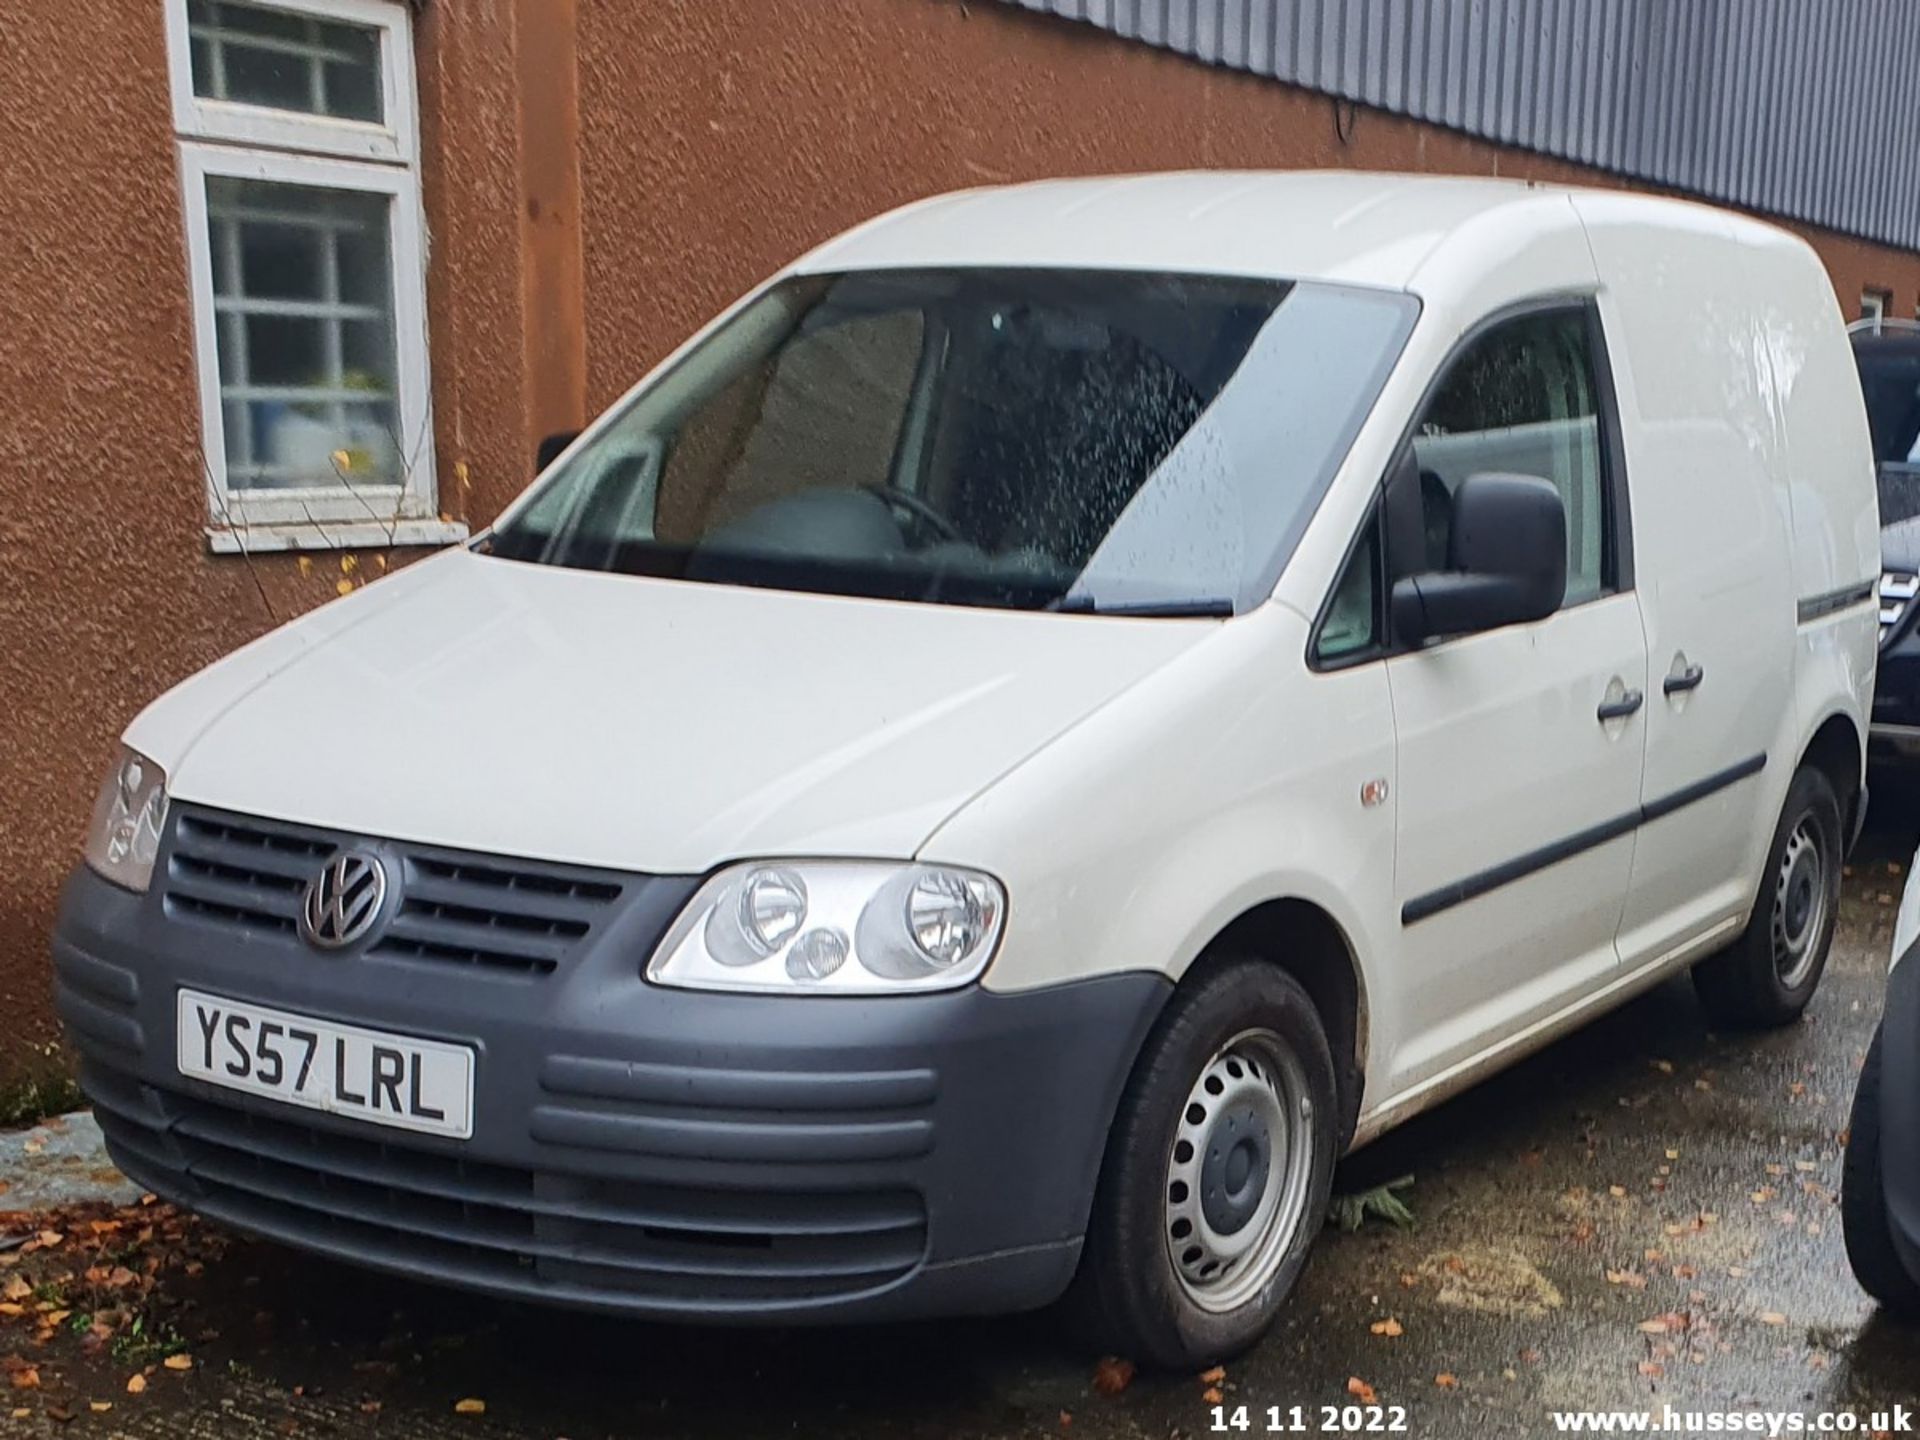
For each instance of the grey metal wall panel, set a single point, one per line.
(1803, 108)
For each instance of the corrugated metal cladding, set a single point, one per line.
(1805, 108)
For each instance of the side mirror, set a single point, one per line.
(550, 448)
(1507, 562)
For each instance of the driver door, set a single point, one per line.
(1520, 749)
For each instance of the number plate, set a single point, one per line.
(423, 1085)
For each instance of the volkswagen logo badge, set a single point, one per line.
(344, 900)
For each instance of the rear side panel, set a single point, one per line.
(1713, 540)
(1815, 401)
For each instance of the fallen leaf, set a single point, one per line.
(178, 1362)
(15, 1289)
(26, 1378)
(1631, 1279)
(1446, 1381)
(136, 1384)
(1112, 1375)
(100, 1407)
(1212, 1395)
(1392, 1329)
(469, 1407)
(1773, 1317)
(1213, 1376)
(1361, 1391)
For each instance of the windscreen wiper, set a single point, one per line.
(1210, 607)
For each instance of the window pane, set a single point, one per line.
(1521, 401)
(303, 312)
(1352, 617)
(256, 55)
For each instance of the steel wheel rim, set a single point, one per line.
(1799, 905)
(1240, 1171)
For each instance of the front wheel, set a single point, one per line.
(1769, 975)
(1217, 1172)
(1863, 1204)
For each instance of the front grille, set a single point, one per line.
(517, 916)
(1897, 589)
(562, 1236)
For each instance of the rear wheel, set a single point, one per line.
(1863, 1204)
(1217, 1172)
(1769, 975)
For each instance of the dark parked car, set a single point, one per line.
(1881, 1198)
(1888, 354)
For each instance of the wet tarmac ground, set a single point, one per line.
(1645, 1215)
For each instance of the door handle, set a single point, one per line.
(1619, 709)
(1686, 680)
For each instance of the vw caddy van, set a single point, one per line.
(1038, 730)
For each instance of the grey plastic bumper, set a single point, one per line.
(635, 1149)
(1900, 1107)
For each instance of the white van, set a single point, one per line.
(1041, 728)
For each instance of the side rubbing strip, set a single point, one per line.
(1423, 907)
(1700, 789)
(1818, 607)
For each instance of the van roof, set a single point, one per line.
(1362, 228)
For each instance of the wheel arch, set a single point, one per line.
(1835, 749)
(1308, 943)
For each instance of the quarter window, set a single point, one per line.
(299, 166)
(1522, 400)
(1351, 626)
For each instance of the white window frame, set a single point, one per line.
(395, 140)
(246, 142)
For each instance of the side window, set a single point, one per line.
(1351, 625)
(1523, 400)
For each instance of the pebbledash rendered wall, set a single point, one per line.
(600, 176)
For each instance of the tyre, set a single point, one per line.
(1217, 1172)
(1863, 1204)
(1769, 975)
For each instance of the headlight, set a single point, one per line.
(127, 820)
(837, 927)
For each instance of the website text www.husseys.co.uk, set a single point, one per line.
(1774, 1424)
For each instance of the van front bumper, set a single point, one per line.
(635, 1149)
(1900, 1107)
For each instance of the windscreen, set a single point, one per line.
(1084, 440)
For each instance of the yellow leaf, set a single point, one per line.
(305, 562)
(343, 587)
(470, 1407)
(1390, 1328)
(178, 1362)
(1361, 1391)
(1447, 1381)
(349, 564)
(136, 1384)
(1773, 1317)
(100, 1407)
